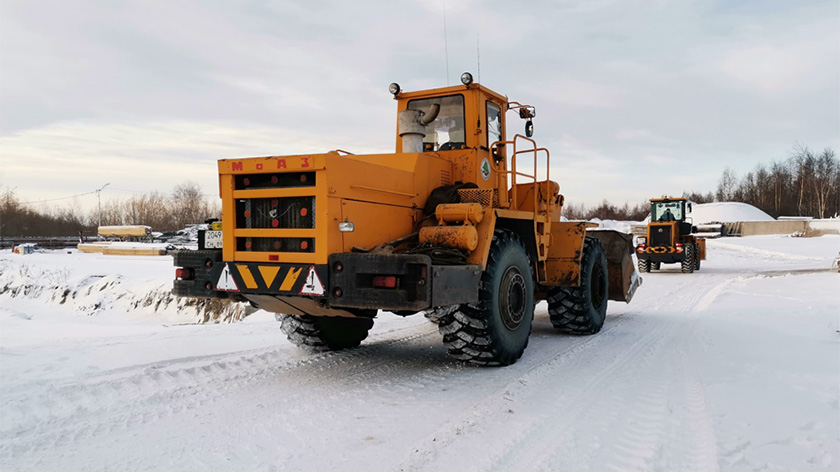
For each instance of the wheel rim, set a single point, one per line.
(598, 287)
(512, 298)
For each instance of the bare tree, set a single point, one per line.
(698, 197)
(189, 205)
(803, 161)
(726, 186)
(824, 182)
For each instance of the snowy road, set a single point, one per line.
(735, 367)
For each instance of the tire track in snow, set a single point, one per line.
(504, 399)
(576, 408)
(538, 448)
(766, 254)
(125, 398)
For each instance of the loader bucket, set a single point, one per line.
(622, 275)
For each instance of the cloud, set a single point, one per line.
(768, 69)
(656, 159)
(582, 94)
(628, 134)
(100, 89)
(70, 158)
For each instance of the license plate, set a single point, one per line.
(213, 239)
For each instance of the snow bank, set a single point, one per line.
(95, 285)
(726, 212)
(622, 226)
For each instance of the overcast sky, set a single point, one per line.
(634, 98)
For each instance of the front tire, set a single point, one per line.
(322, 333)
(697, 257)
(582, 310)
(494, 331)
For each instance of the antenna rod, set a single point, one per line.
(445, 43)
(478, 55)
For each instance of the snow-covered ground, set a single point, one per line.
(735, 367)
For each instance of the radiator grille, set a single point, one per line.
(270, 213)
(660, 236)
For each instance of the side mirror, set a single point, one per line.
(689, 207)
(497, 156)
(529, 128)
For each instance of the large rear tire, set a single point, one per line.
(688, 263)
(321, 333)
(655, 265)
(644, 265)
(582, 310)
(495, 330)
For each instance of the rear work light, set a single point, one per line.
(385, 281)
(184, 274)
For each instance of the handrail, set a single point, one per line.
(513, 199)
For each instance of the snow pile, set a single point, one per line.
(621, 226)
(186, 238)
(95, 285)
(726, 212)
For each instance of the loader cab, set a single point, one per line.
(667, 210)
(672, 211)
(470, 117)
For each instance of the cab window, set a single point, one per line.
(447, 131)
(494, 123)
(666, 211)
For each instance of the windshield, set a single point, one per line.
(447, 130)
(666, 211)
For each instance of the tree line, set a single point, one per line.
(186, 205)
(807, 183)
(606, 211)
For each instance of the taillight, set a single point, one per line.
(385, 281)
(184, 273)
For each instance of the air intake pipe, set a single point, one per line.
(412, 127)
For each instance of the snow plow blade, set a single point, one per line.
(622, 275)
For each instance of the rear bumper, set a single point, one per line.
(664, 254)
(347, 281)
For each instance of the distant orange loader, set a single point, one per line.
(670, 237)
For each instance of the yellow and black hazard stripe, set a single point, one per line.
(287, 279)
(659, 250)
